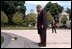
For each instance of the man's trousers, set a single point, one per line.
(42, 33)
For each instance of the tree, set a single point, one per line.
(17, 18)
(4, 18)
(11, 7)
(30, 19)
(25, 22)
(69, 12)
(50, 17)
(64, 19)
(53, 8)
(8, 9)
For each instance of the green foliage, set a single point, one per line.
(30, 19)
(25, 22)
(64, 19)
(53, 8)
(50, 18)
(17, 18)
(11, 7)
(4, 18)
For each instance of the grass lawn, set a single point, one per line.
(21, 28)
(2, 39)
(17, 28)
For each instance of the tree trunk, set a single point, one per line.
(10, 22)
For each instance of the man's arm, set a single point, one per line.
(45, 20)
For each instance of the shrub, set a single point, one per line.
(4, 18)
(17, 18)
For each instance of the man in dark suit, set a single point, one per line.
(42, 24)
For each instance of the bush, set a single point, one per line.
(50, 17)
(17, 18)
(64, 19)
(29, 19)
(25, 22)
(4, 18)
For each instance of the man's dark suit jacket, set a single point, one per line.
(42, 20)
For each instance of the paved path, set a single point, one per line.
(60, 40)
(21, 42)
(7, 39)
